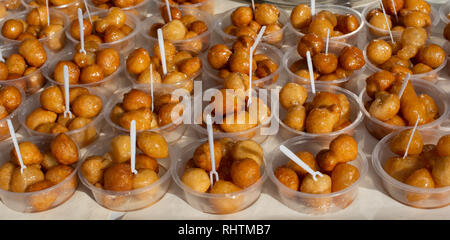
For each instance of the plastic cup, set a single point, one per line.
(444, 12)
(262, 48)
(374, 32)
(213, 203)
(195, 45)
(256, 133)
(124, 45)
(404, 193)
(106, 86)
(4, 130)
(7, 9)
(350, 38)
(431, 76)
(30, 83)
(43, 200)
(291, 56)
(82, 136)
(140, 10)
(69, 9)
(314, 203)
(54, 43)
(379, 129)
(205, 6)
(171, 132)
(127, 200)
(273, 38)
(356, 115)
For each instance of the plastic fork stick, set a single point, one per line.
(313, 7)
(387, 23)
(326, 43)
(395, 10)
(300, 162)
(66, 92)
(133, 146)
(402, 89)
(16, 145)
(87, 10)
(411, 137)
(162, 51)
(311, 73)
(168, 10)
(213, 173)
(151, 84)
(48, 13)
(252, 50)
(80, 21)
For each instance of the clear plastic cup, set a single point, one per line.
(106, 86)
(213, 203)
(132, 200)
(307, 202)
(55, 42)
(380, 129)
(256, 134)
(350, 38)
(195, 45)
(291, 56)
(69, 9)
(355, 118)
(374, 32)
(140, 10)
(30, 83)
(266, 82)
(205, 5)
(4, 130)
(404, 193)
(124, 45)
(42, 200)
(273, 38)
(82, 136)
(8, 8)
(444, 12)
(171, 132)
(431, 76)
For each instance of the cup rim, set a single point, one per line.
(26, 3)
(442, 10)
(423, 83)
(92, 6)
(326, 87)
(331, 6)
(386, 177)
(178, 158)
(299, 140)
(184, 6)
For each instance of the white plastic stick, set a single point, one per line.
(253, 6)
(1, 56)
(395, 10)
(168, 10)
(252, 50)
(300, 162)
(213, 173)
(151, 85)
(66, 92)
(48, 13)
(80, 21)
(162, 51)
(387, 23)
(88, 12)
(326, 43)
(411, 137)
(402, 89)
(311, 73)
(133, 146)
(16, 145)
(313, 7)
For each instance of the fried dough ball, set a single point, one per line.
(118, 177)
(170, 113)
(136, 99)
(266, 14)
(400, 168)
(343, 176)
(174, 30)
(40, 116)
(441, 171)
(92, 169)
(239, 122)
(120, 148)
(247, 149)
(33, 52)
(379, 21)
(87, 106)
(351, 58)
(322, 119)
(64, 149)
(245, 172)
(138, 61)
(307, 158)
(20, 181)
(415, 19)
(385, 106)
(312, 43)
(431, 55)
(58, 173)
(295, 117)
(196, 179)
(6, 172)
(52, 99)
(142, 116)
(415, 36)
(420, 178)
(320, 26)
(144, 178)
(16, 64)
(12, 28)
(301, 16)
(153, 145)
(347, 23)
(430, 105)
(345, 147)
(75, 29)
(73, 70)
(224, 187)
(443, 146)
(30, 154)
(202, 157)
(41, 202)
(399, 142)
(292, 94)
(145, 162)
(378, 51)
(109, 60)
(287, 177)
(242, 16)
(321, 186)
(325, 63)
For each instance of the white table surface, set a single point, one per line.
(371, 203)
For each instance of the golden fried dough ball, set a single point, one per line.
(325, 63)
(118, 177)
(385, 106)
(320, 26)
(307, 158)
(145, 162)
(224, 187)
(33, 52)
(138, 61)
(247, 149)
(52, 99)
(40, 116)
(301, 16)
(398, 143)
(415, 19)
(345, 147)
(136, 99)
(202, 157)
(120, 148)
(10, 97)
(292, 94)
(327, 160)
(379, 21)
(322, 119)
(109, 60)
(174, 30)
(266, 14)
(400, 168)
(347, 23)
(6, 172)
(153, 145)
(87, 105)
(351, 58)
(420, 178)
(343, 176)
(432, 55)
(378, 51)
(92, 169)
(64, 149)
(144, 178)
(142, 116)
(321, 186)
(72, 69)
(12, 28)
(58, 173)
(197, 179)
(415, 36)
(421, 68)
(75, 29)
(44, 201)
(441, 171)
(430, 105)
(30, 154)
(287, 177)
(21, 181)
(443, 146)
(295, 117)
(239, 122)
(239, 62)
(310, 42)
(91, 74)
(242, 16)
(16, 64)
(379, 81)
(245, 172)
